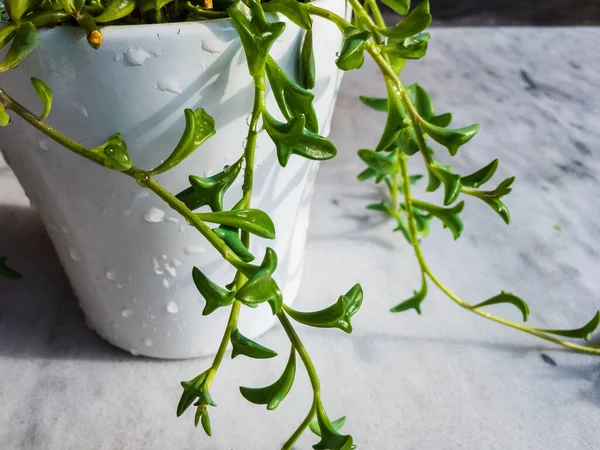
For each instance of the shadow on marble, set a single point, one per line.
(39, 314)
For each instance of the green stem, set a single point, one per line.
(341, 23)
(459, 301)
(362, 14)
(289, 444)
(231, 325)
(379, 20)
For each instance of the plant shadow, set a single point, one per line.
(39, 314)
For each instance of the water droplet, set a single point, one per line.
(143, 180)
(134, 351)
(169, 85)
(118, 57)
(249, 119)
(164, 257)
(45, 144)
(181, 229)
(128, 212)
(154, 215)
(226, 168)
(148, 342)
(192, 250)
(176, 262)
(211, 47)
(80, 109)
(166, 283)
(126, 313)
(156, 266)
(74, 255)
(173, 219)
(141, 194)
(111, 275)
(171, 270)
(137, 56)
(119, 286)
(172, 307)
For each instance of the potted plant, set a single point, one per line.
(139, 136)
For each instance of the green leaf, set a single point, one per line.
(337, 315)
(413, 179)
(273, 394)
(231, 237)
(253, 221)
(506, 297)
(293, 138)
(17, 8)
(209, 191)
(148, 5)
(379, 163)
(330, 438)
(306, 62)
(336, 425)
(366, 174)
(214, 295)
(244, 346)
(433, 181)
(198, 11)
(480, 177)
(378, 104)
(352, 54)
(450, 138)
(261, 287)
(4, 117)
(422, 222)
(415, 301)
(443, 120)
(414, 47)
(451, 182)
(8, 272)
(416, 21)
(114, 152)
(292, 99)
(202, 416)
(45, 95)
(448, 216)
(585, 332)
(400, 6)
(73, 7)
(498, 206)
(382, 206)
(25, 40)
(7, 32)
(401, 227)
(422, 101)
(492, 198)
(395, 121)
(199, 126)
(194, 391)
(292, 10)
(256, 33)
(115, 10)
(407, 141)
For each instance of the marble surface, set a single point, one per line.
(445, 380)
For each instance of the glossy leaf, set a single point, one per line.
(506, 297)
(17, 8)
(414, 47)
(4, 117)
(7, 32)
(379, 163)
(422, 221)
(415, 301)
(378, 104)
(214, 295)
(451, 183)
(293, 138)
(253, 221)
(443, 120)
(25, 40)
(433, 181)
(480, 177)
(292, 99)
(366, 174)
(585, 332)
(73, 7)
(337, 315)
(261, 287)
(416, 21)
(400, 6)
(306, 62)
(492, 198)
(115, 10)
(247, 347)
(194, 391)
(203, 417)
(335, 424)
(448, 216)
(209, 191)
(353, 48)
(199, 126)
(395, 119)
(7, 271)
(382, 206)
(407, 141)
(331, 439)
(45, 95)
(452, 139)
(422, 101)
(273, 394)
(114, 152)
(498, 206)
(256, 33)
(292, 10)
(148, 5)
(231, 237)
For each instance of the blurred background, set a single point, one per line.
(514, 12)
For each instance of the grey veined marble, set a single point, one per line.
(444, 380)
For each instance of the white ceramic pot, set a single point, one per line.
(128, 256)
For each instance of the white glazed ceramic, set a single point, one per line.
(128, 256)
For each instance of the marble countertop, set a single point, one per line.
(444, 380)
